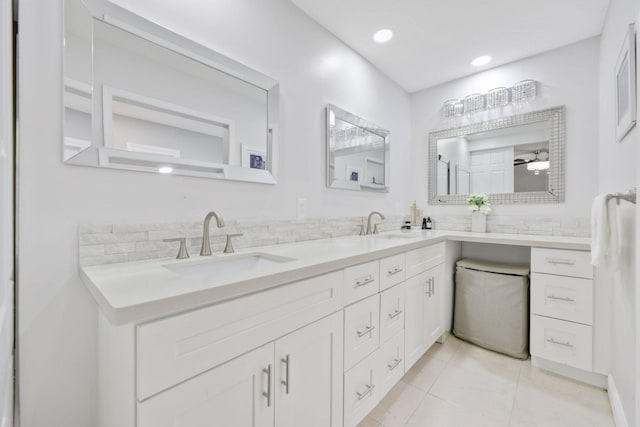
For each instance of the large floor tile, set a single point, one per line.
(369, 422)
(545, 399)
(446, 350)
(434, 412)
(482, 391)
(472, 357)
(425, 372)
(398, 405)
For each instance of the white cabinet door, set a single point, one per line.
(308, 375)
(414, 320)
(239, 393)
(433, 306)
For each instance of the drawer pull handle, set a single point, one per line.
(567, 299)
(368, 389)
(562, 261)
(365, 281)
(395, 314)
(285, 382)
(564, 344)
(430, 287)
(394, 270)
(268, 392)
(394, 364)
(365, 331)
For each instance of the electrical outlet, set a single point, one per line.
(301, 208)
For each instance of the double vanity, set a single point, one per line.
(308, 333)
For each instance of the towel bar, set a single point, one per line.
(629, 196)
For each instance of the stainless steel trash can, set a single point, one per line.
(492, 306)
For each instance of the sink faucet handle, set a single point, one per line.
(182, 252)
(228, 248)
(362, 232)
(375, 229)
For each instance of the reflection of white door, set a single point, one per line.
(443, 178)
(492, 171)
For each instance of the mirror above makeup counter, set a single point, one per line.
(513, 159)
(140, 97)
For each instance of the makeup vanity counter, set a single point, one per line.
(142, 290)
(316, 340)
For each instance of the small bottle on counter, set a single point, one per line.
(406, 225)
(424, 223)
(429, 224)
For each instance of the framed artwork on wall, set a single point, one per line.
(253, 157)
(625, 75)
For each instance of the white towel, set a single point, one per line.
(604, 233)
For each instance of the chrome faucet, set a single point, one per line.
(375, 230)
(206, 244)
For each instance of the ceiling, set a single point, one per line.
(435, 41)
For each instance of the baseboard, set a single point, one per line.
(616, 404)
(592, 378)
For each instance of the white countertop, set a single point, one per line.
(143, 290)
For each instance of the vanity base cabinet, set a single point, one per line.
(308, 375)
(294, 381)
(423, 320)
(239, 393)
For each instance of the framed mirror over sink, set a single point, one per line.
(140, 97)
(357, 152)
(513, 159)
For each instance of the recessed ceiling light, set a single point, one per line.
(165, 169)
(383, 36)
(481, 60)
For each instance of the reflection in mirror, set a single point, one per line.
(166, 105)
(357, 152)
(514, 159)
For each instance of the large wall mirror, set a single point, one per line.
(357, 152)
(515, 159)
(140, 97)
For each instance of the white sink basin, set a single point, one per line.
(217, 266)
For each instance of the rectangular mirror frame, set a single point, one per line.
(555, 193)
(117, 16)
(363, 124)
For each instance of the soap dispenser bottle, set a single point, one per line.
(428, 224)
(424, 223)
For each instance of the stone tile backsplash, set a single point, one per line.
(123, 242)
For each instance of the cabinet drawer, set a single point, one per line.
(391, 312)
(390, 362)
(565, 298)
(562, 262)
(422, 259)
(361, 330)
(176, 348)
(561, 341)
(361, 391)
(391, 271)
(361, 281)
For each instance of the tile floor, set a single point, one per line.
(457, 384)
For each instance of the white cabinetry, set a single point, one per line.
(562, 307)
(423, 319)
(238, 393)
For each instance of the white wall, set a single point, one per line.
(57, 315)
(6, 215)
(567, 76)
(618, 165)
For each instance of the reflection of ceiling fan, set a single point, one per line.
(536, 156)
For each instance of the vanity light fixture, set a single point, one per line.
(383, 36)
(165, 169)
(481, 60)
